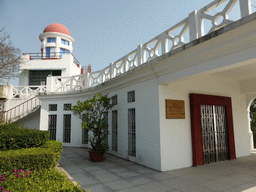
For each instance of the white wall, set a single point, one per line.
(147, 122)
(176, 143)
(31, 121)
(66, 64)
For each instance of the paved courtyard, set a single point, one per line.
(115, 174)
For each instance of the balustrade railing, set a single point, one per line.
(27, 91)
(183, 32)
(20, 110)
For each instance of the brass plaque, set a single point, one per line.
(175, 109)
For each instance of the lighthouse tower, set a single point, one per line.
(56, 41)
(55, 58)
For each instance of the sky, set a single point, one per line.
(104, 30)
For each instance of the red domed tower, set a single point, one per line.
(56, 41)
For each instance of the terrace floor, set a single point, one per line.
(116, 174)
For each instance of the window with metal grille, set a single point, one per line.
(67, 107)
(66, 128)
(131, 96)
(131, 132)
(105, 116)
(38, 77)
(85, 137)
(52, 121)
(53, 107)
(114, 130)
(114, 100)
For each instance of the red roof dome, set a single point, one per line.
(56, 27)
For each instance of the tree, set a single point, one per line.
(253, 120)
(10, 58)
(91, 112)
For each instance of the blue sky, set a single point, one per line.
(104, 30)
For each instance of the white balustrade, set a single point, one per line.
(26, 91)
(187, 30)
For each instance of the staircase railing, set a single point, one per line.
(20, 110)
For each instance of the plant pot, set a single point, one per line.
(96, 156)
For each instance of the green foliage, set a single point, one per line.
(91, 112)
(43, 157)
(253, 120)
(45, 180)
(12, 137)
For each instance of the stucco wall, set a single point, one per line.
(147, 122)
(31, 121)
(176, 144)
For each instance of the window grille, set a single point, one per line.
(67, 128)
(53, 107)
(114, 130)
(39, 77)
(114, 100)
(105, 116)
(84, 132)
(52, 126)
(131, 96)
(131, 132)
(67, 107)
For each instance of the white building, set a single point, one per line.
(177, 103)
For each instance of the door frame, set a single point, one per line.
(196, 100)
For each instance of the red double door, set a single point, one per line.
(211, 128)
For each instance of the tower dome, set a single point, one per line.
(56, 27)
(56, 41)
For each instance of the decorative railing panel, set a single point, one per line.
(27, 91)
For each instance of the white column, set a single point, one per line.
(112, 72)
(163, 43)
(50, 84)
(139, 54)
(245, 7)
(194, 27)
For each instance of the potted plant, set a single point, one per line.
(91, 112)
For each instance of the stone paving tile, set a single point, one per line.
(117, 169)
(96, 188)
(74, 169)
(139, 180)
(159, 187)
(84, 179)
(107, 178)
(120, 184)
(127, 174)
(133, 189)
(196, 188)
(159, 176)
(177, 183)
(217, 186)
(90, 168)
(100, 172)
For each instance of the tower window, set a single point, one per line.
(50, 52)
(64, 42)
(51, 40)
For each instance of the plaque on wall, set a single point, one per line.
(175, 109)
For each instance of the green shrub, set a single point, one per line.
(31, 158)
(45, 180)
(12, 137)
